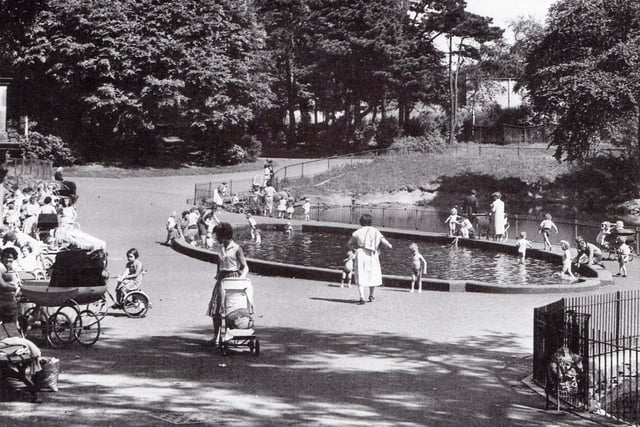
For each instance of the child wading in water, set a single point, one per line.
(522, 244)
(546, 226)
(231, 263)
(566, 273)
(418, 267)
(347, 269)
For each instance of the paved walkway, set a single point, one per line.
(433, 358)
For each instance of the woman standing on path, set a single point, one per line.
(231, 263)
(497, 215)
(366, 241)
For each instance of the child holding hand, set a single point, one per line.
(418, 267)
(347, 269)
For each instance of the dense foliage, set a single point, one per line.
(582, 74)
(110, 76)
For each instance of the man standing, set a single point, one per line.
(470, 204)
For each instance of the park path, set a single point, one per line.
(435, 359)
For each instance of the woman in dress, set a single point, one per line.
(366, 241)
(497, 215)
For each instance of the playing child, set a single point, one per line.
(452, 221)
(418, 267)
(566, 273)
(522, 244)
(546, 227)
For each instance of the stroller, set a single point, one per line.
(237, 322)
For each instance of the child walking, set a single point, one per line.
(452, 221)
(418, 267)
(522, 244)
(546, 227)
(347, 269)
(623, 256)
(231, 263)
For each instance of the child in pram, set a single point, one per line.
(236, 329)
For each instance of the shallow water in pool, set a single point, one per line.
(321, 249)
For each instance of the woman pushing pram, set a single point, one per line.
(231, 264)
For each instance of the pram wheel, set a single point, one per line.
(100, 307)
(135, 304)
(59, 330)
(254, 347)
(86, 327)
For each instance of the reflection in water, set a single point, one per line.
(445, 261)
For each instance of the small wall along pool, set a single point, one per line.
(316, 251)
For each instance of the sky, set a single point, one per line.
(502, 11)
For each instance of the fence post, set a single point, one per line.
(318, 212)
(302, 170)
(575, 228)
(285, 172)
(516, 219)
(617, 317)
(383, 217)
(415, 220)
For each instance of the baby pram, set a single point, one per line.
(237, 322)
(611, 240)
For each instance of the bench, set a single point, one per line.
(15, 361)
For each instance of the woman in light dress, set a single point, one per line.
(366, 242)
(497, 215)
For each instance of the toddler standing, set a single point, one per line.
(418, 267)
(522, 244)
(623, 255)
(306, 208)
(347, 269)
(546, 226)
(452, 220)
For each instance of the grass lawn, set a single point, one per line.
(96, 170)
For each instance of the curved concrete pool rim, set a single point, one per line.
(596, 279)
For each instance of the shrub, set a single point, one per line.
(387, 130)
(44, 147)
(252, 146)
(430, 143)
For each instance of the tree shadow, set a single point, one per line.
(302, 377)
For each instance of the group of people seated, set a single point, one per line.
(30, 215)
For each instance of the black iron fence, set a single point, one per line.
(604, 332)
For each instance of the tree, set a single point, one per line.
(464, 31)
(350, 62)
(583, 74)
(109, 75)
(284, 22)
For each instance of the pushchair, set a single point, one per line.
(611, 241)
(237, 330)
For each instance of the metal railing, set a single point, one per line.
(609, 345)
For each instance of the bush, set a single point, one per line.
(44, 147)
(431, 143)
(252, 146)
(387, 130)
